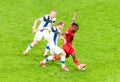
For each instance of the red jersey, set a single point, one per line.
(69, 36)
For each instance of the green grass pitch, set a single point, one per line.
(97, 42)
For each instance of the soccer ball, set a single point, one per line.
(82, 67)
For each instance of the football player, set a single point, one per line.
(68, 48)
(42, 30)
(54, 49)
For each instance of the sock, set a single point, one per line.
(29, 47)
(47, 59)
(76, 62)
(47, 49)
(63, 61)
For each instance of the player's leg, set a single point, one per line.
(66, 48)
(76, 61)
(57, 57)
(46, 60)
(30, 46)
(70, 51)
(58, 50)
(47, 49)
(38, 37)
(43, 62)
(63, 56)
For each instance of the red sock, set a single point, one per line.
(57, 57)
(76, 62)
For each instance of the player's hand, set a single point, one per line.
(64, 41)
(34, 31)
(43, 28)
(74, 16)
(46, 28)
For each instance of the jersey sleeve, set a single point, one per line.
(66, 32)
(54, 20)
(44, 18)
(53, 29)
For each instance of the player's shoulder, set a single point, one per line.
(54, 19)
(46, 16)
(53, 29)
(68, 31)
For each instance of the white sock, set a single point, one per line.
(29, 47)
(47, 59)
(63, 61)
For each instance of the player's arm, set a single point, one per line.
(35, 24)
(63, 33)
(42, 28)
(74, 18)
(61, 37)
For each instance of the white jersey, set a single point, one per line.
(54, 49)
(46, 21)
(54, 32)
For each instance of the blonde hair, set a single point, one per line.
(53, 11)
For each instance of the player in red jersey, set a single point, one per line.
(70, 51)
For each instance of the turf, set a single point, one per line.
(97, 42)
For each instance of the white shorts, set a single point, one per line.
(39, 35)
(56, 50)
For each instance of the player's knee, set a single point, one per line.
(63, 53)
(73, 55)
(48, 39)
(35, 42)
(67, 55)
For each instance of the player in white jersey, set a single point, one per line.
(42, 30)
(54, 49)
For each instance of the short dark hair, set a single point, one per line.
(75, 24)
(60, 23)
